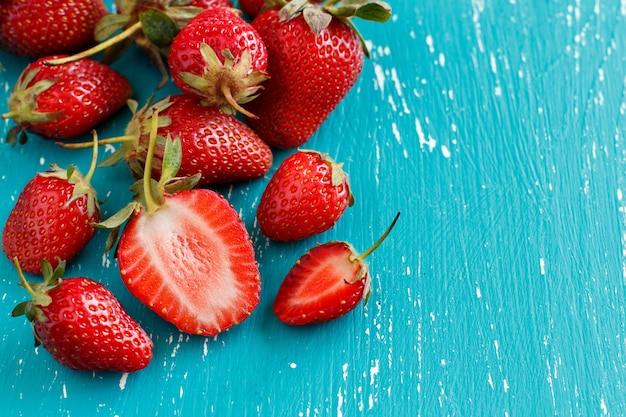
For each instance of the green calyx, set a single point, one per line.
(38, 290)
(23, 107)
(82, 184)
(226, 84)
(319, 16)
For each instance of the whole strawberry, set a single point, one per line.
(220, 58)
(64, 101)
(82, 324)
(315, 56)
(253, 7)
(307, 194)
(185, 253)
(37, 28)
(215, 145)
(53, 218)
(327, 282)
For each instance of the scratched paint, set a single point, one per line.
(496, 128)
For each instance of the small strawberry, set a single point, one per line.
(37, 28)
(315, 56)
(150, 24)
(219, 147)
(220, 58)
(65, 101)
(306, 195)
(327, 282)
(82, 324)
(186, 254)
(52, 218)
(253, 7)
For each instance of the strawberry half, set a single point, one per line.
(187, 254)
(53, 217)
(307, 195)
(82, 324)
(327, 282)
(65, 101)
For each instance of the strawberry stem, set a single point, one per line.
(234, 104)
(11, 115)
(108, 141)
(127, 33)
(151, 204)
(94, 158)
(380, 239)
(23, 281)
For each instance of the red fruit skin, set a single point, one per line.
(88, 329)
(324, 284)
(221, 29)
(218, 146)
(42, 226)
(86, 93)
(300, 199)
(309, 76)
(191, 262)
(37, 28)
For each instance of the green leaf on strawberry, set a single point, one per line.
(158, 27)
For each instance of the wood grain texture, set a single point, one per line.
(496, 128)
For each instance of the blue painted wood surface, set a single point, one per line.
(497, 129)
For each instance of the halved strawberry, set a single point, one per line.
(327, 282)
(186, 255)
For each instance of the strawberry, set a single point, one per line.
(220, 58)
(37, 28)
(253, 7)
(52, 218)
(315, 56)
(306, 195)
(150, 24)
(82, 324)
(186, 254)
(327, 282)
(64, 101)
(219, 147)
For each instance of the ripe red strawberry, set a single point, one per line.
(219, 147)
(314, 59)
(82, 324)
(306, 195)
(325, 283)
(253, 7)
(187, 254)
(52, 218)
(220, 58)
(65, 101)
(37, 28)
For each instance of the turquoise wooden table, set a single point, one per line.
(497, 129)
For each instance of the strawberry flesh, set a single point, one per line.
(192, 262)
(326, 283)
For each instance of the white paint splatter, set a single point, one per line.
(123, 380)
(431, 44)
